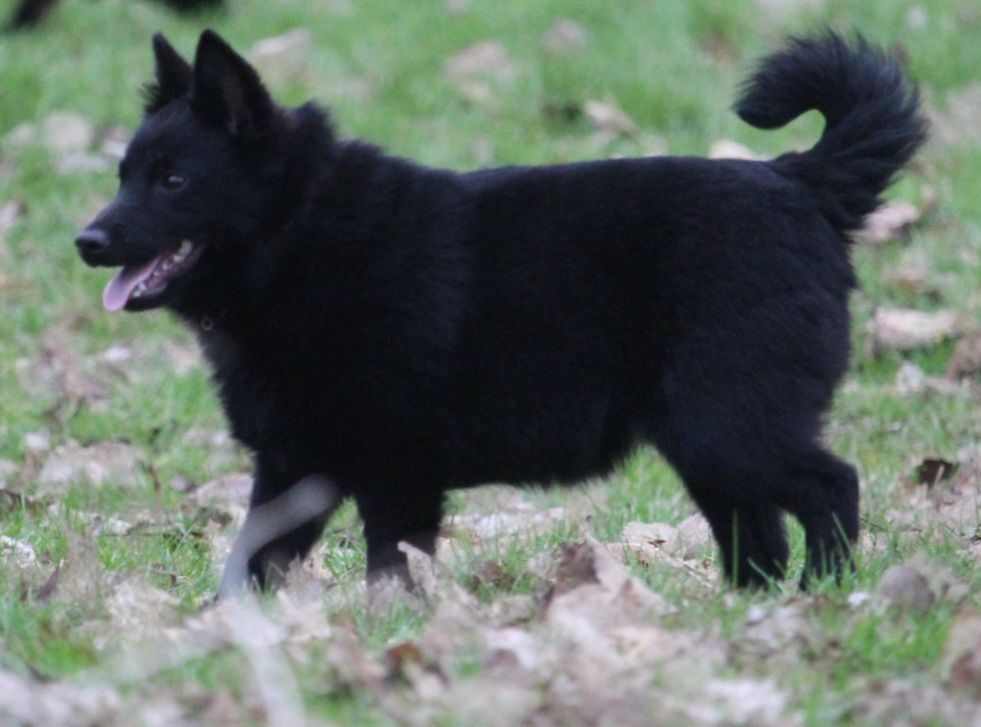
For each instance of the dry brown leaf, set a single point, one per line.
(783, 10)
(115, 356)
(113, 142)
(510, 647)
(917, 17)
(303, 614)
(962, 653)
(223, 452)
(904, 329)
(488, 573)
(934, 470)
(900, 703)
(8, 469)
(912, 380)
(944, 584)
(458, 7)
(517, 522)
(906, 589)
(487, 57)
(421, 569)
(229, 492)
(28, 702)
(958, 122)
(961, 514)
(478, 71)
(102, 525)
(17, 552)
(476, 91)
(282, 59)
(609, 119)
(61, 370)
(37, 442)
(79, 579)
(275, 683)
(655, 544)
(890, 221)
(968, 478)
(591, 581)
(400, 655)
(563, 37)
(20, 136)
(65, 132)
(76, 162)
(658, 535)
(965, 361)
(728, 149)
(10, 212)
(95, 464)
(9, 284)
(780, 633)
(910, 279)
(48, 589)
(694, 535)
(743, 702)
(687, 656)
(956, 505)
(137, 608)
(309, 578)
(182, 358)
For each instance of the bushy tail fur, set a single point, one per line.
(872, 114)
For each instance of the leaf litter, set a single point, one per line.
(891, 220)
(99, 463)
(564, 37)
(595, 646)
(59, 372)
(905, 329)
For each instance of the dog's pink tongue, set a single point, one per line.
(119, 289)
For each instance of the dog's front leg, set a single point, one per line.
(283, 523)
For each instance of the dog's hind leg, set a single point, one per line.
(822, 492)
(730, 481)
(751, 536)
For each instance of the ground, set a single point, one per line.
(120, 491)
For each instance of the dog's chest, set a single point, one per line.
(261, 395)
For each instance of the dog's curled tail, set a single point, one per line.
(872, 115)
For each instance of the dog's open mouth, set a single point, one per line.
(150, 279)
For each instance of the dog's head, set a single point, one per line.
(202, 180)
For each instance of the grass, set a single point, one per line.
(381, 66)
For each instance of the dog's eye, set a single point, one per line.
(173, 181)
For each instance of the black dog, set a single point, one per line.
(400, 331)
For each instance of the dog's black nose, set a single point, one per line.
(92, 241)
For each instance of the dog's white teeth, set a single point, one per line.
(140, 290)
(185, 248)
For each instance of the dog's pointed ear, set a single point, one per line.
(173, 75)
(226, 90)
